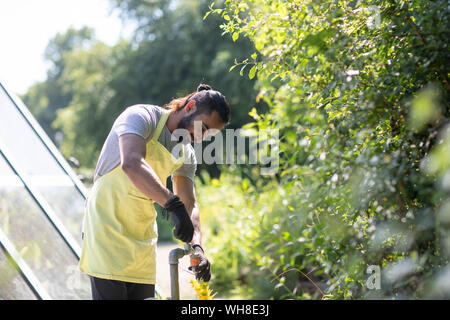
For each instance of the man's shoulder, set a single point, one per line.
(140, 119)
(150, 109)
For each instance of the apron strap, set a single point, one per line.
(158, 130)
(161, 123)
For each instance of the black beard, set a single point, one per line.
(185, 123)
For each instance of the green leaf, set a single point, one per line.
(259, 44)
(254, 114)
(245, 183)
(252, 72)
(235, 36)
(286, 236)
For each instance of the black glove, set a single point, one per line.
(184, 229)
(203, 270)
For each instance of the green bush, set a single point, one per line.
(359, 92)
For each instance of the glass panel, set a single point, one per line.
(28, 150)
(39, 244)
(69, 207)
(38, 165)
(12, 285)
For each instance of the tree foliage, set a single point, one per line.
(172, 51)
(359, 91)
(45, 98)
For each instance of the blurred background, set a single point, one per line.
(359, 91)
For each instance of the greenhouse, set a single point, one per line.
(41, 210)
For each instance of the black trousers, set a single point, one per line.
(103, 289)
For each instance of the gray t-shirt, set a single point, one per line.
(142, 120)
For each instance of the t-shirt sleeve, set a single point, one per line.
(189, 166)
(138, 120)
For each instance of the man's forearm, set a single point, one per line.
(195, 217)
(147, 181)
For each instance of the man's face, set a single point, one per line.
(201, 125)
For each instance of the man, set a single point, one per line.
(120, 232)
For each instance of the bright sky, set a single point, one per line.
(26, 26)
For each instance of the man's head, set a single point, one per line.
(208, 108)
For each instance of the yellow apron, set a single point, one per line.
(120, 231)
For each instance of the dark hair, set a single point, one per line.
(206, 99)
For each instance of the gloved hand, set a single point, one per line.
(203, 270)
(184, 229)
